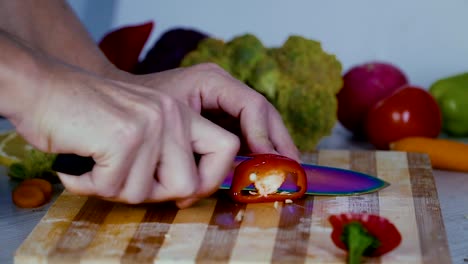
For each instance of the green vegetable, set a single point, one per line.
(209, 50)
(299, 78)
(451, 95)
(359, 241)
(36, 164)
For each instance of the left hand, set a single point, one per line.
(209, 87)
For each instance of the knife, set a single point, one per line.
(321, 180)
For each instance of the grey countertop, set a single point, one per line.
(452, 187)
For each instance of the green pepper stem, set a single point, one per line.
(358, 241)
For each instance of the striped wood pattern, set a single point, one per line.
(87, 230)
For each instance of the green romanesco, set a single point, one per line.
(299, 78)
(209, 50)
(244, 52)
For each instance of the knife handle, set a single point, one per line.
(73, 164)
(76, 165)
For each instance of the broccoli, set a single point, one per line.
(299, 78)
(244, 52)
(265, 77)
(208, 50)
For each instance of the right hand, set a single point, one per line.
(141, 139)
(207, 86)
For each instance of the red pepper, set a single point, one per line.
(364, 235)
(267, 172)
(123, 46)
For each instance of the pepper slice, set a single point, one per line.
(267, 172)
(364, 235)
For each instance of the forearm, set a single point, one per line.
(20, 72)
(52, 27)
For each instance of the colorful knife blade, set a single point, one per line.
(321, 180)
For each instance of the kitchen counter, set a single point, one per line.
(452, 187)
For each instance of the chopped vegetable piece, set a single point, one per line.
(44, 185)
(28, 196)
(364, 235)
(267, 172)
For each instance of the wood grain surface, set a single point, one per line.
(88, 230)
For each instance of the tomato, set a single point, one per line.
(363, 86)
(409, 111)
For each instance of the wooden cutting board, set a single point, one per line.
(88, 230)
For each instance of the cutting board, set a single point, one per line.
(79, 229)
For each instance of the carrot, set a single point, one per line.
(444, 154)
(28, 196)
(44, 185)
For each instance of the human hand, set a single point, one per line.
(141, 139)
(208, 87)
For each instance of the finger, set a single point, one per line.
(255, 127)
(217, 148)
(264, 129)
(280, 137)
(140, 180)
(106, 178)
(242, 102)
(177, 175)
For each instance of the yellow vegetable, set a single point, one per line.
(444, 154)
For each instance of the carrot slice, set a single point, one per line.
(444, 153)
(44, 185)
(28, 196)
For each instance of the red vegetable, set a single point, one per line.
(364, 235)
(123, 46)
(267, 172)
(363, 86)
(409, 112)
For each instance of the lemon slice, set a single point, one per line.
(23, 160)
(13, 148)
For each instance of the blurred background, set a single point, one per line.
(426, 38)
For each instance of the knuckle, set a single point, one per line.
(212, 72)
(129, 133)
(259, 100)
(168, 105)
(208, 66)
(229, 143)
(152, 120)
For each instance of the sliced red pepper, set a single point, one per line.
(364, 235)
(267, 172)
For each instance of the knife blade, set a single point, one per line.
(325, 181)
(321, 180)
